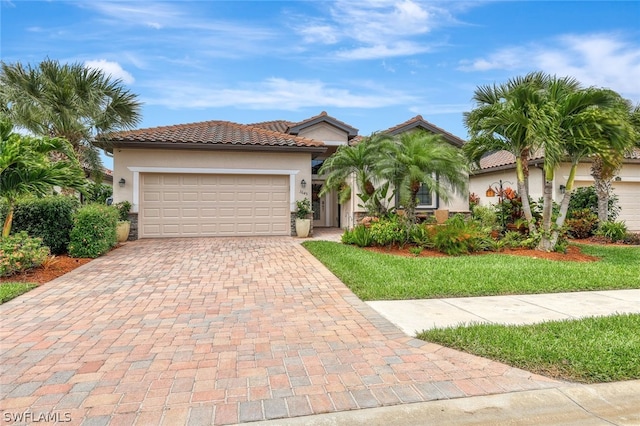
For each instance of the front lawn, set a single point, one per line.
(9, 290)
(376, 276)
(590, 350)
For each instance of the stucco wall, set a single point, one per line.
(124, 159)
(324, 132)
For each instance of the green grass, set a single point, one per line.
(376, 276)
(590, 350)
(10, 290)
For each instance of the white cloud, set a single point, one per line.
(272, 94)
(602, 60)
(112, 69)
(376, 28)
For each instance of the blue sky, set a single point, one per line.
(372, 64)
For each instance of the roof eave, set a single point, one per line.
(217, 147)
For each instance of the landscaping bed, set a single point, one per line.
(53, 268)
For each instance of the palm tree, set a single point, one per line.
(26, 168)
(505, 118)
(604, 167)
(360, 161)
(67, 101)
(421, 159)
(577, 123)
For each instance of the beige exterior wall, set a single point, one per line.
(296, 164)
(324, 132)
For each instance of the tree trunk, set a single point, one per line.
(6, 229)
(522, 175)
(547, 210)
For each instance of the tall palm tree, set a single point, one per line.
(605, 166)
(67, 101)
(421, 159)
(506, 118)
(26, 168)
(360, 161)
(577, 123)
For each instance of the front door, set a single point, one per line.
(318, 205)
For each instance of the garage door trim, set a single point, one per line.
(198, 170)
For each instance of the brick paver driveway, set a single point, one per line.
(218, 330)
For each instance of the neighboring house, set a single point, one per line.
(218, 178)
(501, 166)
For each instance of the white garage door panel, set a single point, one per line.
(176, 205)
(629, 200)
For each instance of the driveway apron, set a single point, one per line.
(218, 331)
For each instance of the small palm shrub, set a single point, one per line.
(359, 236)
(458, 236)
(19, 252)
(94, 231)
(422, 235)
(582, 223)
(614, 231)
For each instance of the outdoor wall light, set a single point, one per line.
(303, 183)
(563, 189)
(121, 182)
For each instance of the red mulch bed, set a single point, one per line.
(573, 253)
(52, 269)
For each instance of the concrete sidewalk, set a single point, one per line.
(413, 316)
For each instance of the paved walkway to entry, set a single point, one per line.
(219, 330)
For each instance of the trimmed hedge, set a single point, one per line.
(94, 231)
(49, 218)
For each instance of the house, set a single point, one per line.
(218, 178)
(500, 167)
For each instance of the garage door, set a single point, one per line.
(629, 200)
(189, 205)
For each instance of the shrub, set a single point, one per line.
(360, 236)
(94, 231)
(586, 198)
(388, 231)
(458, 236)
(98, 192)
(49, 218)
(124, 207)
(486, 216)
(582, 223)
(20, 252)
(614, 231)
(422, 235)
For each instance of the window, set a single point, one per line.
(426, 198)
(316, 164)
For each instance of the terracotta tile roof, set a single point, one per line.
(505, 158)
(276, 125)
(210, 133)
(419, 121)
(634, 154)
